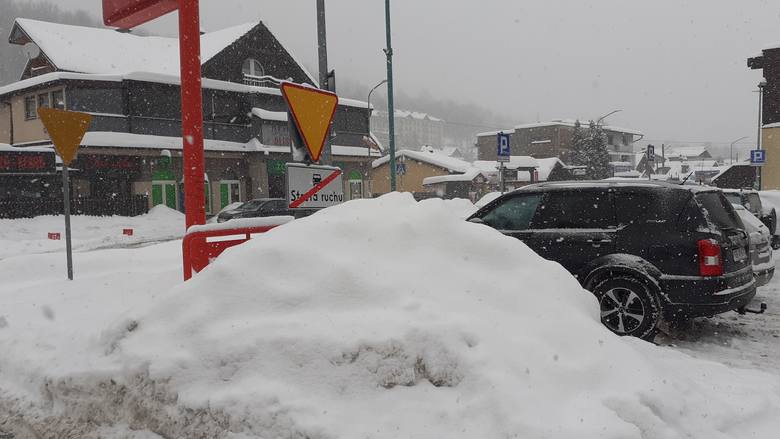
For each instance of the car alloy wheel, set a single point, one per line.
(622, 310)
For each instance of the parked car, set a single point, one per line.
(761, 254)
(751, 200)
(647, 250)
(261, 207)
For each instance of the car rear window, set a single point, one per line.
(733, 197)
(755, 203)
(718, 211)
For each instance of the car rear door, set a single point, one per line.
(574, 227)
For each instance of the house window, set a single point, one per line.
(58, 99)
(253, 72)
(30, 108)
(43, 100)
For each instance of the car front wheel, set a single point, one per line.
(628, 307)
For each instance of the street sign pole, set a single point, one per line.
(66, 129)
(191, 113)
(66, 198)
(501, 176)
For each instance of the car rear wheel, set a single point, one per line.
(628, 307)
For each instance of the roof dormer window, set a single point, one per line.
(253, 72)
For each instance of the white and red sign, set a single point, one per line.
(313, 186)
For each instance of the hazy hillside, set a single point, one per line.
(11, 58)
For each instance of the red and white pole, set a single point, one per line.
(191, 113)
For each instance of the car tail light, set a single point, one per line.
(710, 259)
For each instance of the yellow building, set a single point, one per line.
(412, 167)
(770, 141)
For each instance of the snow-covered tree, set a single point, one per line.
(597, 153)
(578, 145)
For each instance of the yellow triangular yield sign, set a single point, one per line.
(66, 129)
(312, 111)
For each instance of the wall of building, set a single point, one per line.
(411, 181)
(28, 130)
(5, 123)
(770, 173)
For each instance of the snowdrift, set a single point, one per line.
(382, 318)
(389, 318)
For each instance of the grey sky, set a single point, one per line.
(676, 68)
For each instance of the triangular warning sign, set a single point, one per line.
(66, 129)
(312, 111)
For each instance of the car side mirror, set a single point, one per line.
(476, 220)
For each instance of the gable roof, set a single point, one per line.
(106, 51)
(432, 158)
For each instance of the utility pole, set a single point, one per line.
(761, 86)
(322, 52)
(390, 107)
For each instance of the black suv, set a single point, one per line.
(261, 207)
(647, 250)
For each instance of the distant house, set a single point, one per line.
(412, 167)
(553, 140)
(412, 128)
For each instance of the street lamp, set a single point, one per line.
(598, 121)
(731, 149)
(368, 107)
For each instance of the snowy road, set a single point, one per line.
(750, 341)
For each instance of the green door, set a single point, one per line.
(170, 195)
(157, 194)
(224, 195)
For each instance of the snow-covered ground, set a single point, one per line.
(30, 235)
(380, 318)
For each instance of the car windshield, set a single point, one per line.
(252, 205)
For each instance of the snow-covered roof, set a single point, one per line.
(211, 84)
(772, 125)
(545, 167)
(515, 162)
(433, 158)
(685, 151)
(470, 175)
(571, 123)
(4, 147)
(495, 133)
(280, 116)
(102, 50)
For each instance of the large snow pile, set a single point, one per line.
(30, 235)
(382, 318)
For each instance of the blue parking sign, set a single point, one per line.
(503, 152)
(758, 157)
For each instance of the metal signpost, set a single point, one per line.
(503, 153)
(650, 160)
(66, 129)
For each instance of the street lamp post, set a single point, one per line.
(761, 86)
(731, 149)
(598, 121)
(368, 144)
(390, 107)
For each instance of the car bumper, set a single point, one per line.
(763, 276)
(693, 296)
